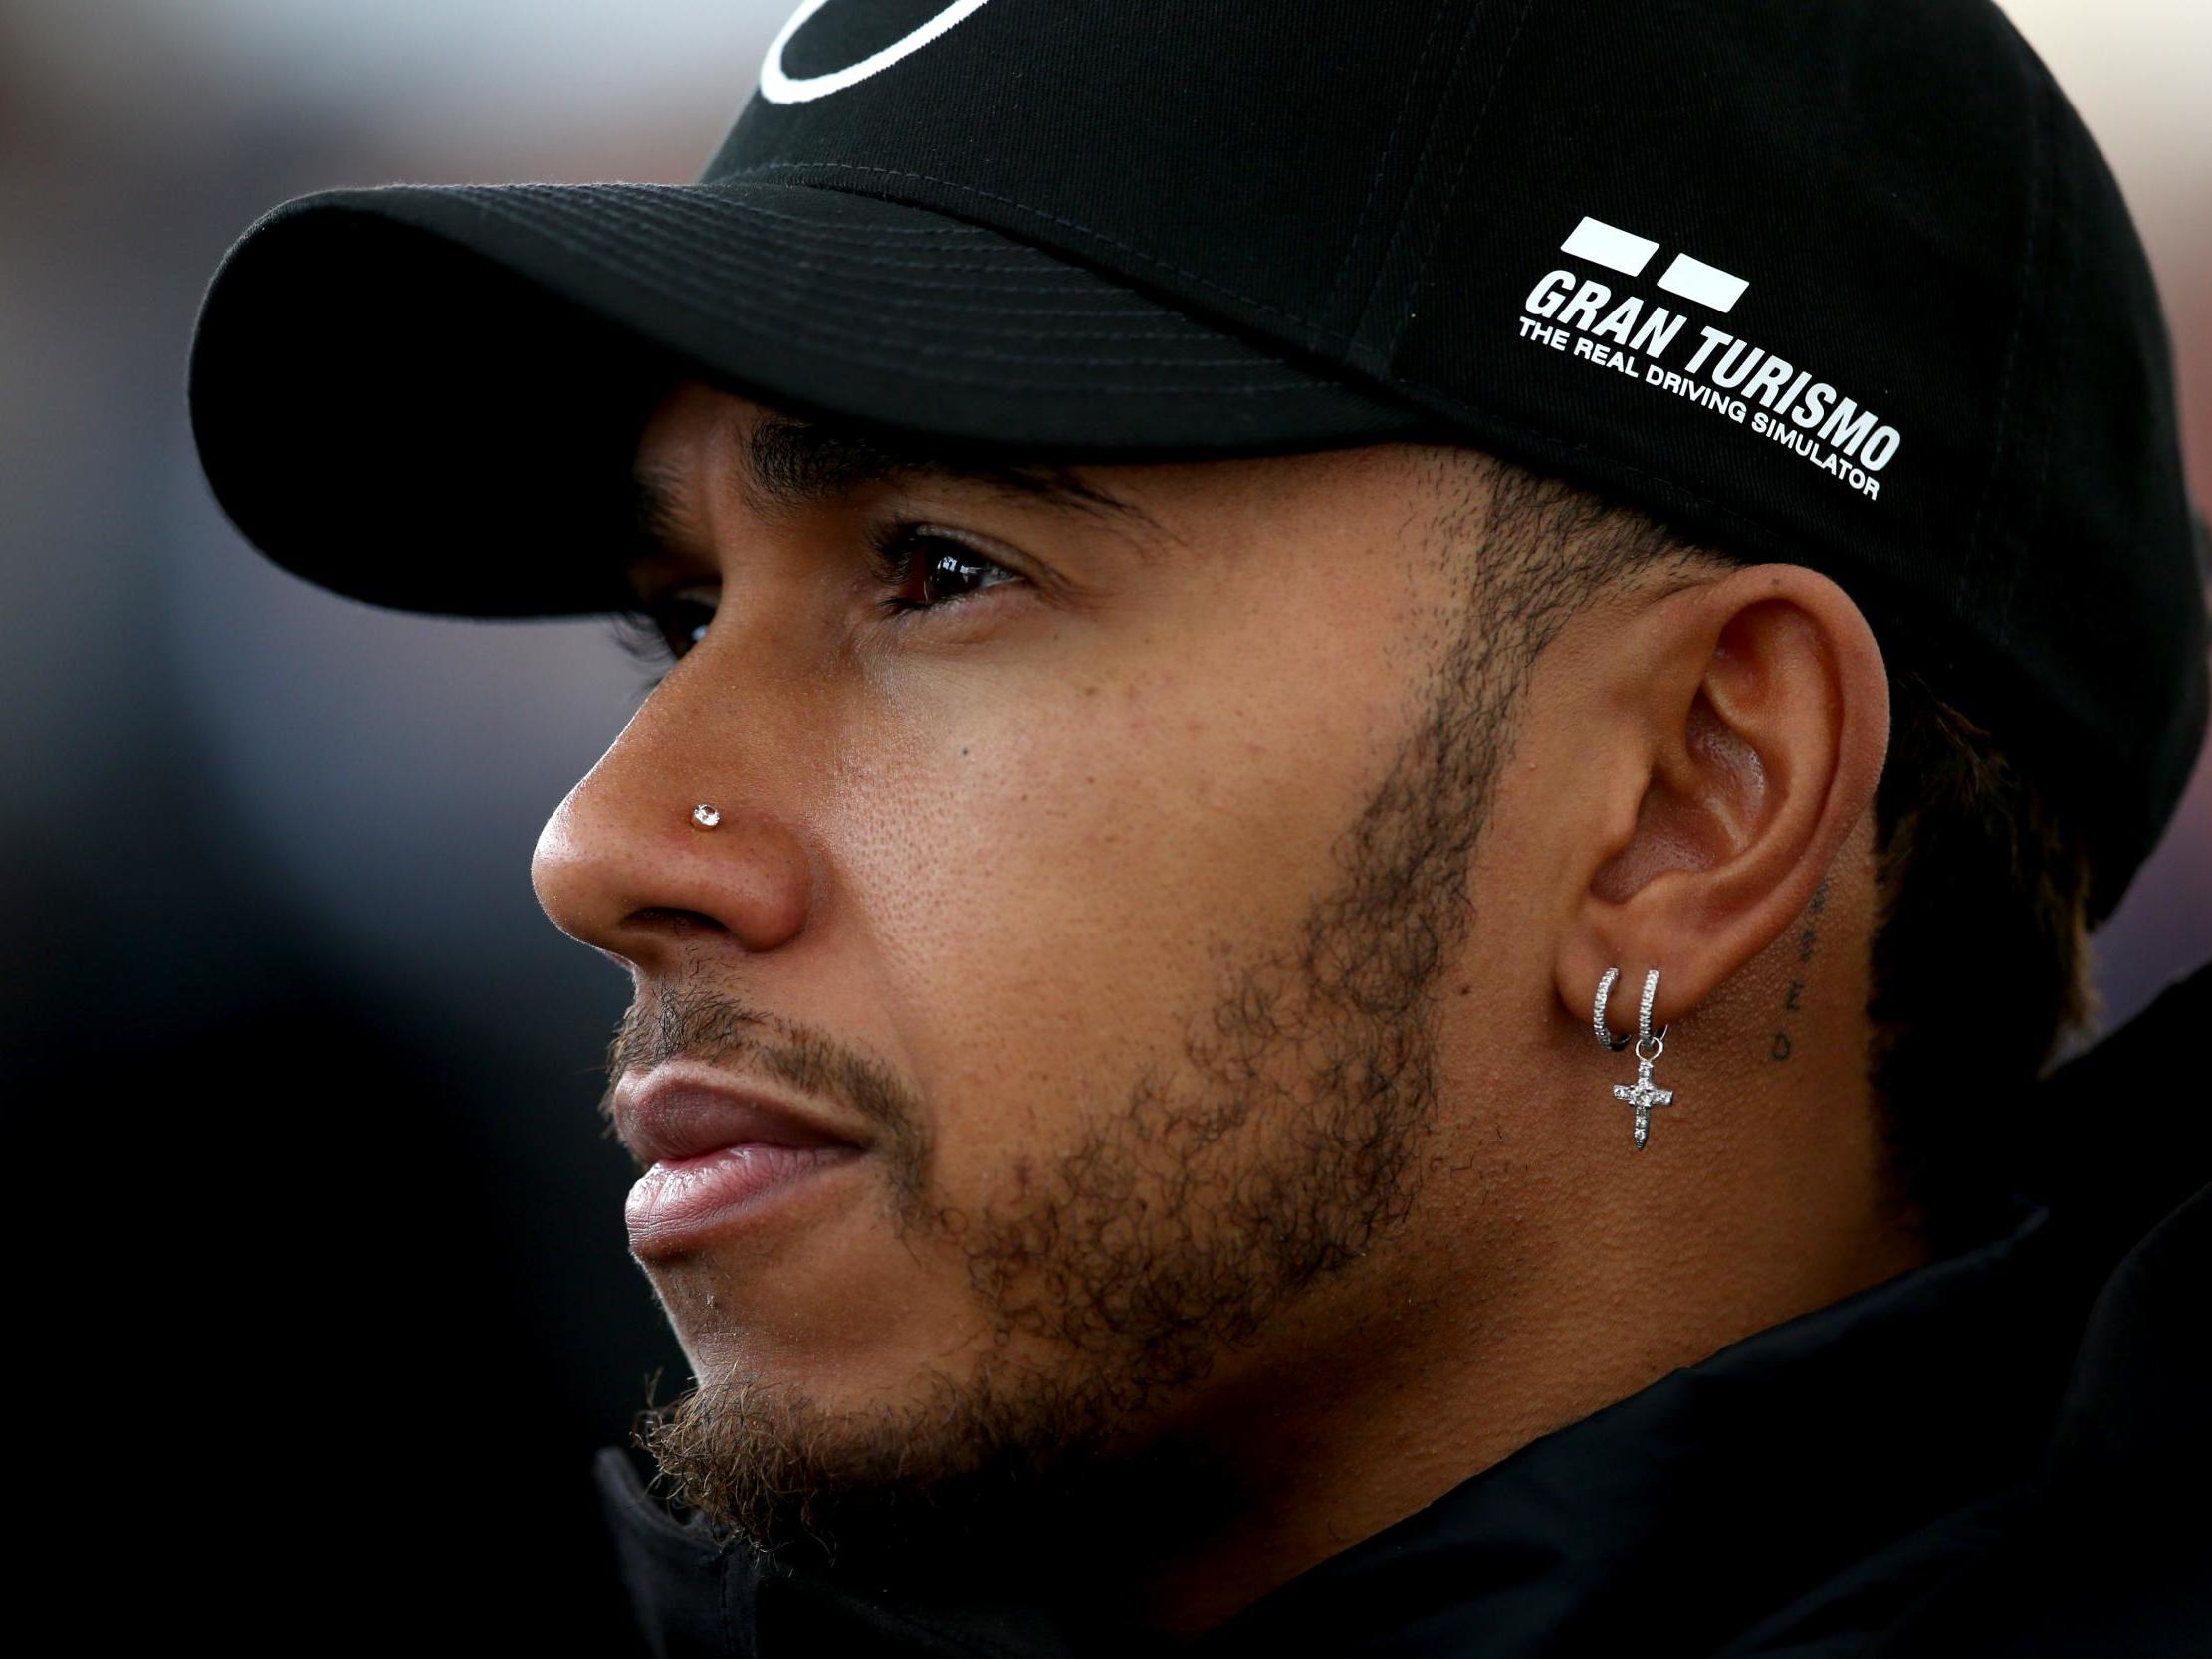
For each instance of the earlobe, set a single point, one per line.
(1762, 706)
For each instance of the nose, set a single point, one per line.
(622, 866)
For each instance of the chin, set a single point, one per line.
(878, 1345)
(1032, 1472)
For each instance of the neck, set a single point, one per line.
(1517, 1309)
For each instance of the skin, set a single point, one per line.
(1211, 958)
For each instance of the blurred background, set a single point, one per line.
(330, 1315)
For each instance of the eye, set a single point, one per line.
(941, 570)
(661, 630)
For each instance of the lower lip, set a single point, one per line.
(677, 1203)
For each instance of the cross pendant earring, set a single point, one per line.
(1642, 1093)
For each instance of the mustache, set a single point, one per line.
(689, 1021)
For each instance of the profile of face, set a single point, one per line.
(1103, 867)
(1099, 894)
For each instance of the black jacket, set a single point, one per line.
(2003, 1453)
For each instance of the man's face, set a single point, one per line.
(1106, 900)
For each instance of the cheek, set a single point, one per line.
(1057, 872)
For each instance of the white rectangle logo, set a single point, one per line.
(1612, 247)
(1709, 285)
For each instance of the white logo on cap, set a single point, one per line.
(1627, 252)
(1722, 374)
(779, 88)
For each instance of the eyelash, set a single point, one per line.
(644, 631)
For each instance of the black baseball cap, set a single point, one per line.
(1839, 282)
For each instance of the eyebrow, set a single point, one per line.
(791, 464)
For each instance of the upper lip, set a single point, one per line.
(674, 1111)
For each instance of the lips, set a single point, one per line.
(718, 1154)
(673, 1113)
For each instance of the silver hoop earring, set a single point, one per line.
(1650, 1045)
(1613, 1045)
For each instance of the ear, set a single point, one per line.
(1752, 722)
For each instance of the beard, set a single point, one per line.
(1282, 1145)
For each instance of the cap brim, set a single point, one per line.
(428, 396)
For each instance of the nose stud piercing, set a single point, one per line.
(1640, 1094)
(706, 816)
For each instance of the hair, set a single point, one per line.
(1979, 960)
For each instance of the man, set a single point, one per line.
(1387, 736)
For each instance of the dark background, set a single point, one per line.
(320, 1244)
